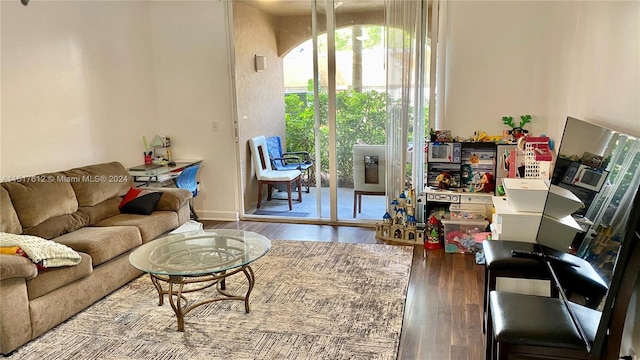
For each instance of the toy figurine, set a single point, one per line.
(433, 241)
(466, 175)
(517, 131)
(486, 183)
(444, 180)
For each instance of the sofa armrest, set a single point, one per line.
(173, 199)
(14, 266)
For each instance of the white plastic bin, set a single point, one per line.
(527, 195)
(464, 236)
(467, 212)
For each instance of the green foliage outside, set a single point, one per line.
(360, 117)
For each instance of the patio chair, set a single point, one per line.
(285, 161)
(266, 175)
(369, 173)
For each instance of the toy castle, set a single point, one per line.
(399, 224)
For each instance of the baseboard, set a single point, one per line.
(217, 215)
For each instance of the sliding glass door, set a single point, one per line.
(333, 62)
(360, 110)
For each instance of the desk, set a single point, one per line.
(159, 173)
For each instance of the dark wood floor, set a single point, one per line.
(443, 311)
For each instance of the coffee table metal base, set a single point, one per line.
(176, 290)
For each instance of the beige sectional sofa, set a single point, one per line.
(77, 208)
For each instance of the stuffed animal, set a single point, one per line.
(444, 180)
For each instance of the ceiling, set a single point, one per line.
(301, 7)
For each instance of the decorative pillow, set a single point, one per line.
(43, 252)
(138, 201)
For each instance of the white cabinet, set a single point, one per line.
(509, 224)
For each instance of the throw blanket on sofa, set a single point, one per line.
(41, 251)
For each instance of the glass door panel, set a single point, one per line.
(332, 101)
(360, 119)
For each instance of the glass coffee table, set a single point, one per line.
(199, 260)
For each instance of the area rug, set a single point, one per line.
(311, 300)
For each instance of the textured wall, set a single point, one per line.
(259, 94)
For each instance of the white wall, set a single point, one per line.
(83, 81)
(598, 60)
(495, 66)
(544, 58)
(193, 82)
(77, 84)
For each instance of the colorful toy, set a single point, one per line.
(517, 132)
(461, 242)
(486, 183)
(466, 175)
(444, 180)
(434, 234)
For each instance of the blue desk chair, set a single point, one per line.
(285, 161)
(187, 180)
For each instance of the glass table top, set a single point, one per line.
(199, 253)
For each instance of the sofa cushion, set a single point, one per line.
(150, 226)
(40, 197)
(12, 266)
(54, 278)
(9, 221)
(58, 225)
(94, 184)
(102, 243)
(103, 210)
(173, 199)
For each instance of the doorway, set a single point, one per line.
(323, 92)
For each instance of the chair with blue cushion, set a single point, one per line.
(187, 180)
(266, 175)
(286, 161)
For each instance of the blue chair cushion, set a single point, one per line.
(187, 179)
(283, 161)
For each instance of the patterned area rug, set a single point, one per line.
(311, 300)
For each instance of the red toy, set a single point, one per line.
(487, 184)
